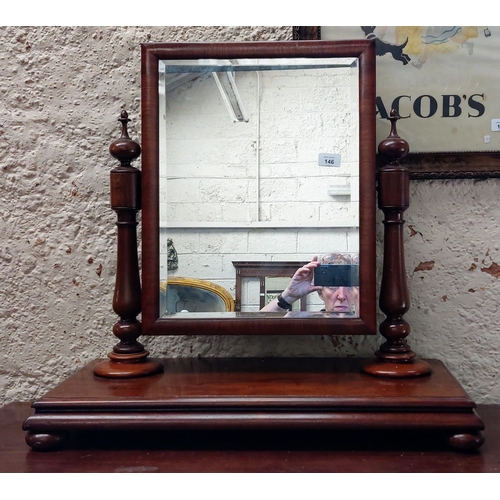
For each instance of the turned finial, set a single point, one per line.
(393, 146)
(124, 149)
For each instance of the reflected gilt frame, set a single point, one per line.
(208, 286)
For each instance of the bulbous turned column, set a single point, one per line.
(394, 358)
(129, 358)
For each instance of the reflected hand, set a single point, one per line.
(301, 283)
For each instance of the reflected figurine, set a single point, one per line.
(172, 259)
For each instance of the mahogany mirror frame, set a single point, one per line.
(257, 323)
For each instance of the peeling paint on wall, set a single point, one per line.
(425, 266)
(493, 269)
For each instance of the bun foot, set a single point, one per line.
(467, 442)
(40, 441)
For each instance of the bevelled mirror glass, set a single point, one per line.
(258, 153)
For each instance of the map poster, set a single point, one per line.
(444, 81)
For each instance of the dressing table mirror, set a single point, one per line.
(245, 149)
(256, 156)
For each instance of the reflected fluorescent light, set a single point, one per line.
(227, 87)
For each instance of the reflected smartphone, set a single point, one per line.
(336, 275)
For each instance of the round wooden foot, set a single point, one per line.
(412, 368)
(123, 366)
(467, 442)
(40, 441)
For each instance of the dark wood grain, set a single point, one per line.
(256, 382)
(257, 393)
(248, 451)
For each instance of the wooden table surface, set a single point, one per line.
(246, 451)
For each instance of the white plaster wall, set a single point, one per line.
(266, 168)
(61, 91)
(208, 254)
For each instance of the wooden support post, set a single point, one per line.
(129, 358)
(394, 357)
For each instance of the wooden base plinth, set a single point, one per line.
(257, 393)
(413, 368)
(128, 366)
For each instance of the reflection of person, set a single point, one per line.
(337, 299)
(340, 299)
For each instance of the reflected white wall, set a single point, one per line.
(253, 190)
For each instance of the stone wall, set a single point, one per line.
(62, 91)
